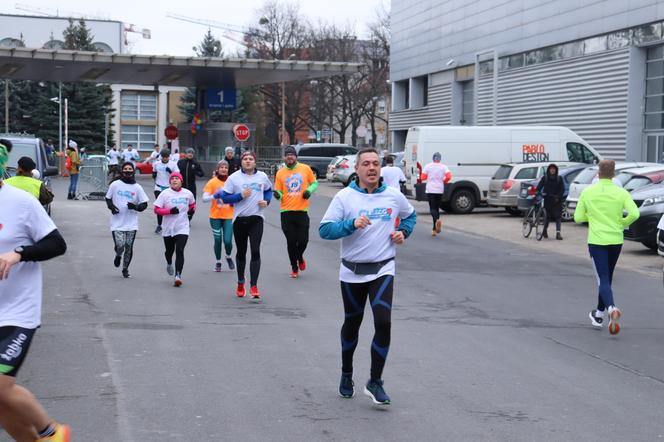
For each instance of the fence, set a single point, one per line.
(92, 179)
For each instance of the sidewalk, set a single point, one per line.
(498, 224)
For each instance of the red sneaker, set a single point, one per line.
(294, 275)
(240, 291)
(255, 294)
(302, 265)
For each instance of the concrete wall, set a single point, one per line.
(426, 34)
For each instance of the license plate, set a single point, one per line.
(571, 205)
(524, 193)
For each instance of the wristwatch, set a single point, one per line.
(19, 250)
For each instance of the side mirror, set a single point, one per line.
(51, 171)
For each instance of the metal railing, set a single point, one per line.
(92, 179)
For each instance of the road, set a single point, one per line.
(490, 341)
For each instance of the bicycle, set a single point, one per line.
(534, 217)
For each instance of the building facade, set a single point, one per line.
(141, 113)
(595, 66)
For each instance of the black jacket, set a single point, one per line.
(190, 169)
(234, 164)
(553, 190)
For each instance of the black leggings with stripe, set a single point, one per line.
(379, 292)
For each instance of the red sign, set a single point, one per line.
(241, 132)
(171, 132)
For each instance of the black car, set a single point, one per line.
(318, 155)
(650, 201)
(29, 146)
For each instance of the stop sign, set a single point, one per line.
(171, 132)
(241, 132)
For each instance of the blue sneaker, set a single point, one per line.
(346, 384)
(374, 389)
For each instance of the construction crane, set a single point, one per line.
(229, 29)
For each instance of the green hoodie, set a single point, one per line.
(602, 206)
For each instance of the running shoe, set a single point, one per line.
(302, 264)
(346, 385)
(62, 434)
(231, 264)
(240, 291)
(433, 232)
(439, 225)
(116, 260)
(125, 273)
(374, 389)
(255, 294)
(178, 281)
(217, 267)
(614, 317)
(294, 274)
(169, 269)
(157, 230)
(595, 320)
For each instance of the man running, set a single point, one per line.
(27, 237)
(436, 175)
(364, 216)
(221, 215)
(250, 191)
(294, 185)
(175, 204)
(113, 162)
(125, 198)
(131, 155)
(602, 206)
(161, 172)
(392, 176)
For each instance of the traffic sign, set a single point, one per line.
(241, 132)
(318, 135)
(171, 132)
(223, 99)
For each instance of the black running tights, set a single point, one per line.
(379, 292)
(248, 229)
(176, 244)
(295, 225)
(124, 245)
(435, 200)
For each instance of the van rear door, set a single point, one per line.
(536, 145)
(411, 159)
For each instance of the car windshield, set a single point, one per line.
(635, 183)
(586, 177)
(21, 150)
(502, 173)
(624, 177)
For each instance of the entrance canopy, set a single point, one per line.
(102, 67)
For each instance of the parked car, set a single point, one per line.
(329, 175)
(30, 146)
(344, 169)
(529, 188)
(144, 168)
(650, 201)
(319, 155)
(635, 179)
(505, 185)
(473, 153)
(585, 179)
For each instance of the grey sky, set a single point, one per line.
(175, 37)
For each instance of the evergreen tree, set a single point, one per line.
(84, 38)
(209, 46)
(69, 34)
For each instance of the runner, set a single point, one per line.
(392, 176)
(131, 155)
(250, 191)
(113, 162)
(175, 204)
(221, 216)
(154, 155)
(602, 206)
(364, 216)
(161, 171)
(294, 185)
(28, 236)
(436, 175)
(125, 198)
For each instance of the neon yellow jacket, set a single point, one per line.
(602, 205)
(26, 183)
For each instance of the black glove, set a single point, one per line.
(154, 175)
(131, 206)
(114, 210)
(175, 211)
(306, 194)
(168, 169)
(276, 194)
(191, 211)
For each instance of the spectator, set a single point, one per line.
(553, 190)
(233, 162)
(72, 164)
(24, 180)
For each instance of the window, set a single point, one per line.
(503, 173)
(568, 178)
(349, 151)
(573, 49)
(528, 173)
(635, 183)
(512, 62)
(619, 39)
(401, 95)
(586, 176)
(578, 153)
(141, 137)
(534, 57)
(467, 103)
(486, 67)
(136, 106)
(419, 90)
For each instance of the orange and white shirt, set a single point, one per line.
(218, 210)
(291, 183)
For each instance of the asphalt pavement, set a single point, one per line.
(490, 341)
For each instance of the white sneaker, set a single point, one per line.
(595, 319)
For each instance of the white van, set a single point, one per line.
(474, 153)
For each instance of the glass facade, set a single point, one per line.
(138, 116)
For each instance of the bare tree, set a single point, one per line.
(377, 58)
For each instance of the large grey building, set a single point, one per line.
(595, 66)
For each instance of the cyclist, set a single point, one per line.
(161, 172)
(27, 237)
(363, 216)
(175, 204)
(602, 206)
(125, 198)
(294, 185)
(221, 216)
(250, 191)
